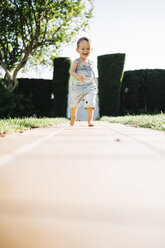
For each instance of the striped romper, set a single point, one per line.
(84, 91)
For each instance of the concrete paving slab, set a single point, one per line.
(83, 187)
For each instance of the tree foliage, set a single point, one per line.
(29, 27)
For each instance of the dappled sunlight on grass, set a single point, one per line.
(156, 122)
(12, 125)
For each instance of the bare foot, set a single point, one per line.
(91, 124)
(72, 122)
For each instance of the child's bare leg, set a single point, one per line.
(74, 115)
(90, 116)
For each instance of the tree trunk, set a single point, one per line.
(10, 82)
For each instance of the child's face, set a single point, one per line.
(84, 49)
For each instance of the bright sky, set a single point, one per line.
(133, 27)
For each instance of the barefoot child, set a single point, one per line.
(83, 82)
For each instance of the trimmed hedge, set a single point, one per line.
(14, 104)
(155, 91)
(60, 85)
(39, 91)
(35, 96)
(110, 70)
(143, 91)
(133, 92)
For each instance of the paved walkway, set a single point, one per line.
(82, 187)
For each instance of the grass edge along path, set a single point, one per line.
(8, 126)
(156, 122)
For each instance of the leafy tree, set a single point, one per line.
(29, 27)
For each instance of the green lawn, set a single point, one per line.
(16, 124)
(156, 122)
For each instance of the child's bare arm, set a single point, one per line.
(74, 74)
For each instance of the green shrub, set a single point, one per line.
(39, 91)
(133, 92)
(143, 91)
(13, 104)
(155, 93)
(110, 70)
(60, 85)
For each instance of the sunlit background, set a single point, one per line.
(133, 27)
